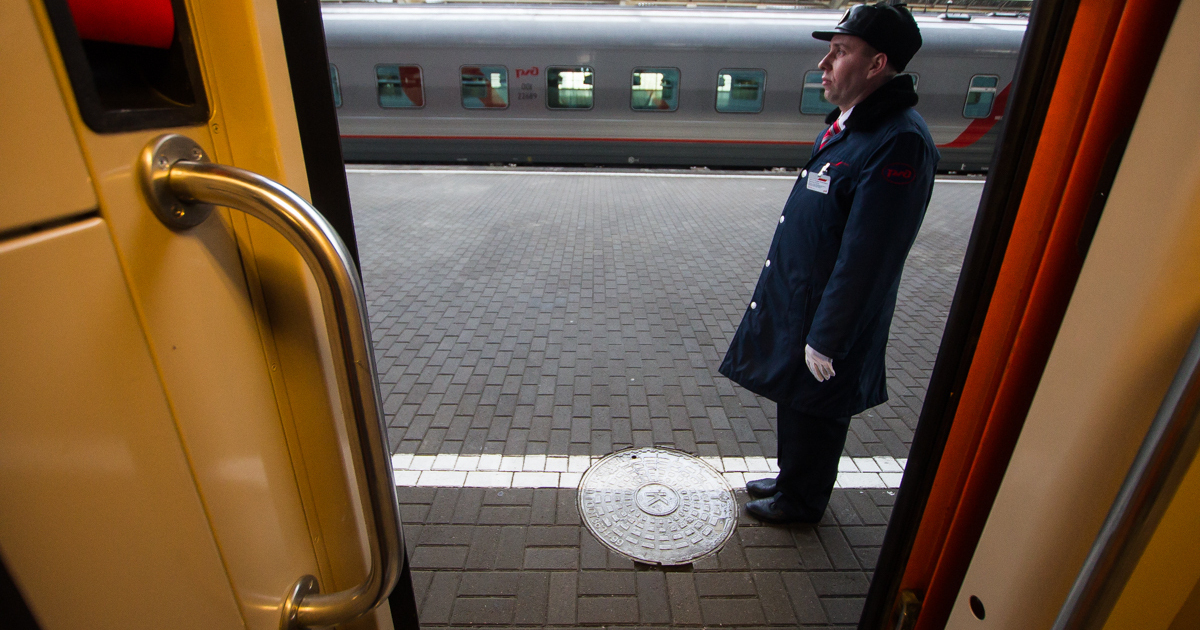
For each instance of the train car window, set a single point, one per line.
(655, 89)
(399, 86)
(484, 87)
(569, 87)
(741, 91)
(812, 99)
(337, 86)
(980, 96)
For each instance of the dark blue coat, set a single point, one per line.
(835, 261)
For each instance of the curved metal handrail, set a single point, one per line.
(181, 186)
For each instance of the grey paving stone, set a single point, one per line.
(724, 584)
(773, 596)
(483, 610)
(562, 605)
(607, 583)
(488, 583)
(685, 603)
(653, 602)
(729, 612)
(532, 598)
(608, 610)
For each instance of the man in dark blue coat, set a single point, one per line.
(814, 336)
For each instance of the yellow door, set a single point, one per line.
(179, 441)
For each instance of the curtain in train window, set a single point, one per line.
(740, 90)
(399, 86)
(569, 88)
(337, 86)
(812, 99)
(980, 96)
(484, 87)
(655, 89)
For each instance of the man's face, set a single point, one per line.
(847, 72)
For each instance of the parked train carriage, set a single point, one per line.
(614, 86)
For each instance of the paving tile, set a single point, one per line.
(431, 557)
(439, 600)
(550, 558)
(805, 601)
(533, 591)
(839, 583)
(843, 610)
(561, 609)
(476, 611)
(653, 602)
(488, 583)
(724, 584)
(773, 596)
(608, 610)
(728, 612)
(685, 603)
(607, 583)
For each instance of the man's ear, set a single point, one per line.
(879, 63)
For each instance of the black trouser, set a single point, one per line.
(809, 448)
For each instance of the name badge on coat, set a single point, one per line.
(819, 182)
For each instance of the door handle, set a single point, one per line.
(182, 187)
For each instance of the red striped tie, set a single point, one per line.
(829, 133)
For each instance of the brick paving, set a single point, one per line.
(577, 314)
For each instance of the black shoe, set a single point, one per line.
(761, 488)
(767, 511)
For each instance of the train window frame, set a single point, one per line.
(992, 91)
(762, 91)
(805, 100)
(336, 82)
(398, 66)
(483, 69)
(551, 70)
(650, 70)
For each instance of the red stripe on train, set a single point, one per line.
(980, 126)
(554, 139)
(974, 131)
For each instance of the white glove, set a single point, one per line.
(820, 365)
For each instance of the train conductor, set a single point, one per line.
(814, 336)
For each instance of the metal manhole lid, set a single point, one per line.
(657, 505)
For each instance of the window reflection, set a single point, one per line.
(399, 86)
(740, 90)
(569, 88)
(980, 96)
(812, 98)
(655, 89)
(484, 87)
(337, 86)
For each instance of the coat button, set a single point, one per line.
(753, 305)
(804, 173)
(768, 264)
(781, 218)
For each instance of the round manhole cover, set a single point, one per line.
(657, 505)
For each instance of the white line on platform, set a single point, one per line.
(458, 171)
(560, 471)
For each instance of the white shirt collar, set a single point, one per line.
(846, 114)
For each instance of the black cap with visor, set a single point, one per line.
(888, 28)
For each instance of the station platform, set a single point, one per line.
(528, 322)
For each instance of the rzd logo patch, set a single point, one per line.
(899, 173)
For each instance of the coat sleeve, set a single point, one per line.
(889, 204)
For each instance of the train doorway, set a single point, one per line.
(188, 438)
